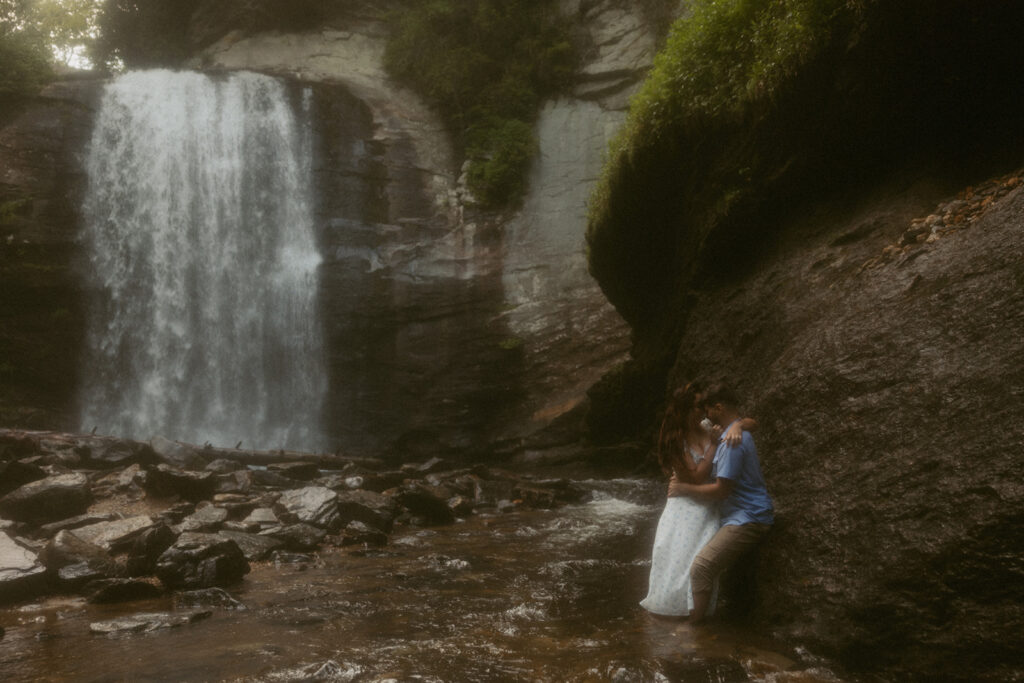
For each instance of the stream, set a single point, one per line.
(538, 595)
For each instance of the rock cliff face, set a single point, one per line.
(877, 342)
(447, 328)
(41, 304)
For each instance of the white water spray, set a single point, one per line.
(199, 230)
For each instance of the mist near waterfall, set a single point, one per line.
(203, 263)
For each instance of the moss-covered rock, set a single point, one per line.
(753, 107)
(485, 65)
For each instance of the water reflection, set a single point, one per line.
(531, 596)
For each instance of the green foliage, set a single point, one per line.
(499, 151)
(142, 33)
(69, 26)
(24, 57)
(485, 65)
(687, 157)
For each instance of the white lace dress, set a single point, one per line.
(686, 525)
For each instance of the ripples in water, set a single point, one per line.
(527, 596)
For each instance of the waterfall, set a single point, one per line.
(199, 231)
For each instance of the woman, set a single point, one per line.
(686, 449)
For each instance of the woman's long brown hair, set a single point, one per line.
(671, 438)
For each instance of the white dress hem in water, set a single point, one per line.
(686, 525)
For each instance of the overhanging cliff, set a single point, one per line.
(847, 253)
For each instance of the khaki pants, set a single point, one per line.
(722, 550)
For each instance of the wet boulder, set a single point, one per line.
(297, 537)
(74, 562)
(15, 474)
(206, 519)
(372, 508)
(236, 482)
(461, 506)
(52, 529)
(116, 534)
(144, 623)
(315, 505)
(110, 453)
(262, 517)
(224, 466)
(269, 479)
(22, 575)
(236, 504)
(105, 591)
(255, 547)
(429, 503)
(302, 471)
(359, 533)
(179, 455)
(191, 485)
(147, 548)
(48, 500)
(201, 561)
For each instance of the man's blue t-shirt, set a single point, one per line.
(749, 501)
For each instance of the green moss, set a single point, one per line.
(24, 63)
(699, 146)
(12, 209)
(485, 65)
(511, 344)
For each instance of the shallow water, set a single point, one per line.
(526, 596)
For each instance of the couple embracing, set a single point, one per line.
(718, 507)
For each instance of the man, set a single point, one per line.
(746, 509)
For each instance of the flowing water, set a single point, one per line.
(525, 596)
(199, 229)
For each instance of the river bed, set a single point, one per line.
(539, 595)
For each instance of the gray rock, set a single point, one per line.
(117, 534)
(201, 561)
(205, 519)
(21, 573)
(263, 517)
(297, 537)
(270, 479)
(238, 482)
(108, 453)
(367, 506)
(191, 485)
(66, 549)
(314, 505)
(303, 471)
(50, 530)
(255, 547)
(179, 455)
(75, 576)
(147, 548)
(120, 590)
(47, 500)
(144, 623)
(224, 466)
(359, 533)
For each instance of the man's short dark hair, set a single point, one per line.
(719, 392)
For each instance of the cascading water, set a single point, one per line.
(199, 229)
